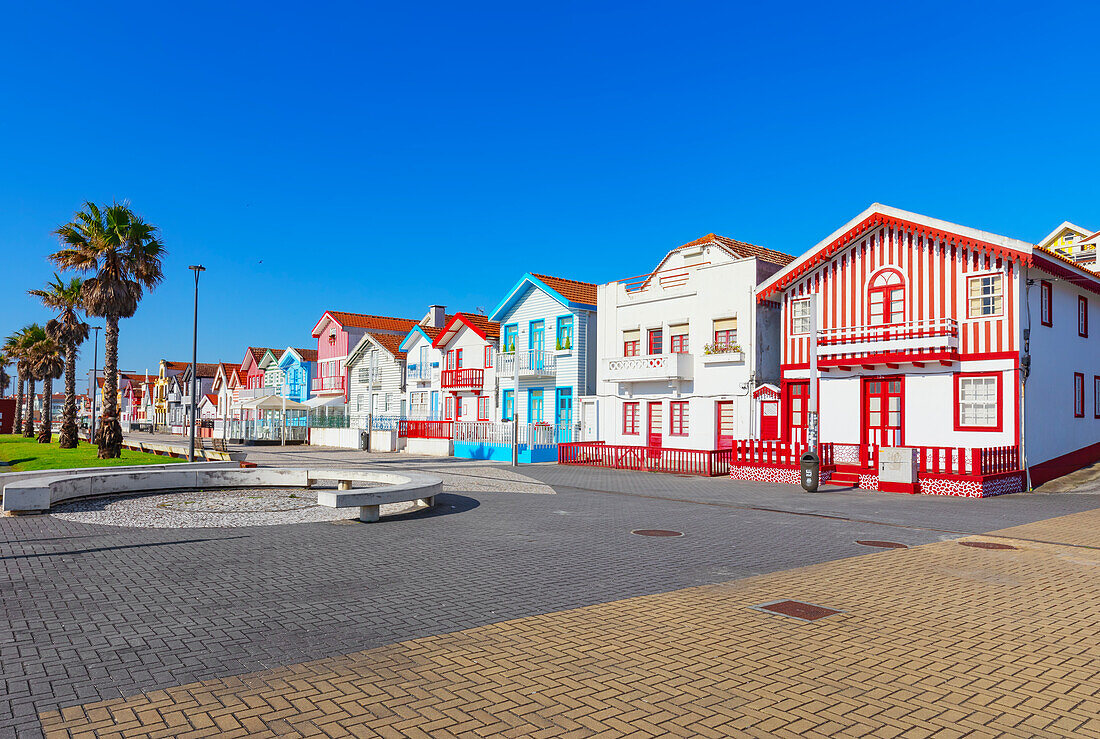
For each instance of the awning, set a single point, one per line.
(322, 400)
(273, 403)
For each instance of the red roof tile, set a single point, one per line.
(572, 290)
(378, 323)
(307, 355)
(741, 249)
(390, 342)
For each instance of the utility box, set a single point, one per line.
(897, 469)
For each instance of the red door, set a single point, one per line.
(769, 420)
(725, 425)
(654, 430)
(883, 411)
(798, 398)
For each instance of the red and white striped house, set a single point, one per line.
(970, 346)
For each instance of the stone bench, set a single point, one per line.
(37, 492)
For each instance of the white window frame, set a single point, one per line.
(992, 296)
(797, 317)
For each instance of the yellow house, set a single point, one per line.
(1070, 240)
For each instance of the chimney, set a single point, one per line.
(436, 314)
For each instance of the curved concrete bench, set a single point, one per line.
(37, 494)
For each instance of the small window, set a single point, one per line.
(886, 298)
(458, 359)
(1082, 316)
(978, 402)
(1078, 395)
(449, 408)
(565, 333)
(678, 418)
(511, 331)
(800, 316)
(508, 405)
(630, 419)
(1069, 238)
(678, 338)
(1096, 396)
(725, 333)
(655, 341)
(985, 295)
(632, 343)
(483, 408)
(488, 357)
(1046, 303)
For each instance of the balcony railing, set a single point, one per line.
(649, 367)
(420, 372)
(463, 378)
(930, 333)
(292, 389)
(256, 392)
(328, 384)
(533, 363)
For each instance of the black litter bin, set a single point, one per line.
(811, 472)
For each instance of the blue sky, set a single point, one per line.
(381, 157)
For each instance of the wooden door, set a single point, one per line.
(769, 420)
(725, 424)
(883, 411)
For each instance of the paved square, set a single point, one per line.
(541, 614)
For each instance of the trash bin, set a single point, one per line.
(364, 441)
(811, 472)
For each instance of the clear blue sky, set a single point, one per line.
(381, 157)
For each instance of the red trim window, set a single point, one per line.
(886, 297)
(632, 343)
(1096, 396)
(978, 401)
(800, 316)
(483, 408)
(1082, 316)
(631, 425)
(458, 359)
(451, 359)
(1078, 395)
(449, 408)
(488, 357)
(985, 296)
(655, 341)
(678, 418)
(679, 343)
(1046, 303)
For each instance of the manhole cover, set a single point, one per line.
(986, 545)
(656, 532)
(882, 544)
(797, 609)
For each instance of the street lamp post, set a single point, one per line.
(196, 268)
(95, 382)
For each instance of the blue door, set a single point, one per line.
(564, 419)
(535, 341)
(435, 405)
(534, 406)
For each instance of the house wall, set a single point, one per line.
(575, 367)
(1055, 439)
(722, 288)
(473, 357)
(413, 358)
(387, 390)
(299, 374)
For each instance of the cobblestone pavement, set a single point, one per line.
(939, 640)
(94, 613)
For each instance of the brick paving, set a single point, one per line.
(94, 613)
(939, 640)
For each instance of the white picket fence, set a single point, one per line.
(533, 435)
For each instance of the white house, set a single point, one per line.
(682, 349)
(376, 372)
(468, 343)
(548, 329)
(973, 348)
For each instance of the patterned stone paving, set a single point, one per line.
(936, 640)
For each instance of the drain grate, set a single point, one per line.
(987, 545)
(882, 544)
(656, 532)
(797, 609)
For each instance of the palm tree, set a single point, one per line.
(48, 363)
(69, 332)
(125, 254)
(13, 347)
(5, 378)
(30, 337)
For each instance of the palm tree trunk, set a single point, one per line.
(45, 429)
(28, 422)
(68, 421)
(110, 434)
(18, 402)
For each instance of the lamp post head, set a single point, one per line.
(197, 268)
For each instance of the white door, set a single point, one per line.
(589, 431)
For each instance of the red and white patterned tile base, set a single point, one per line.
(928, 486)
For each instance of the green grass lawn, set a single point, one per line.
(25, 455)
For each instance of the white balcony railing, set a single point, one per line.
(531, 363)
(928, 334)
(649, 367)
(256, 392)
(421, 372)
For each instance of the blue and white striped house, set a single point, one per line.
(548, 328)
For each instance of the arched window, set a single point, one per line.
(886, 297)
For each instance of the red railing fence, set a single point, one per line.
(407, 429)
(704, 462)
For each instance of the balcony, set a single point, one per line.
(531, 364)
(463, 379)
(656, 367)
(934, 335)
(256, 392)
(420, 372)
(331, 385)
